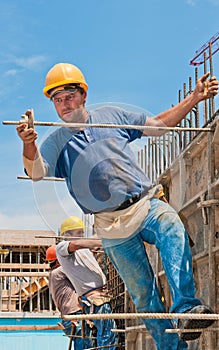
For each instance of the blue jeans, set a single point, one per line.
(104, 334)
(79, 343)
(163, 228)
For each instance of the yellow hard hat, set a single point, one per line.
(71, 223)
(63, 74)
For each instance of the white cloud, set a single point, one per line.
(30, 62)
(191, 2)
(45, 213)
(22, 63)
(54, 202)
(45, 204)
(196, 2)
(11, 72)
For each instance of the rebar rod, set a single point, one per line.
(118, 316)
(198, 330)
(110, 126)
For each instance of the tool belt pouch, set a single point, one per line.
(97, 296)
(98, 299)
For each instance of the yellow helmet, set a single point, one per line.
(63, 74)
(71, 223)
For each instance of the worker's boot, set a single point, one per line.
(195, 324)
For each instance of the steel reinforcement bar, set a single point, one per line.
(118, 316)
(110, 126)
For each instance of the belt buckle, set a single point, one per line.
(135, 199)
(131, 200)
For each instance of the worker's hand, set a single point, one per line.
(206, 88)
(27, 135)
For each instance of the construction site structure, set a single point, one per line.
(187, 165)
(27, 312)
(199, 57)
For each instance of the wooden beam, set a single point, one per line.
(24, 266)
(24, 274)
(29, 328)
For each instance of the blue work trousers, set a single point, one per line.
(163, 228)
(104, 334)
(79, 342)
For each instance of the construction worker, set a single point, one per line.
(103, 177)
(66, 300)
(82, 269)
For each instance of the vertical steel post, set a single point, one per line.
(211, 74)
(197, 116)
(205, 102)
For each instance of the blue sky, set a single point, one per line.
(134, 53)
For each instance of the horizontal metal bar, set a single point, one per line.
(118, 316)
(103, 346)
(198, 330)
(70, 238)
(78, 336)
(111, 126)
(142, 329)
(46, 178)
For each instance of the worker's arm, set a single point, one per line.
(84, 243)
(32, 159)
(204, 89)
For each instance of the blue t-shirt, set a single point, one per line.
(98, 164)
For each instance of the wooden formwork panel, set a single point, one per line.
(204, 285)
(188, 175)
(197, 169)
(139, 340)
(217, 295)
(217, 280)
